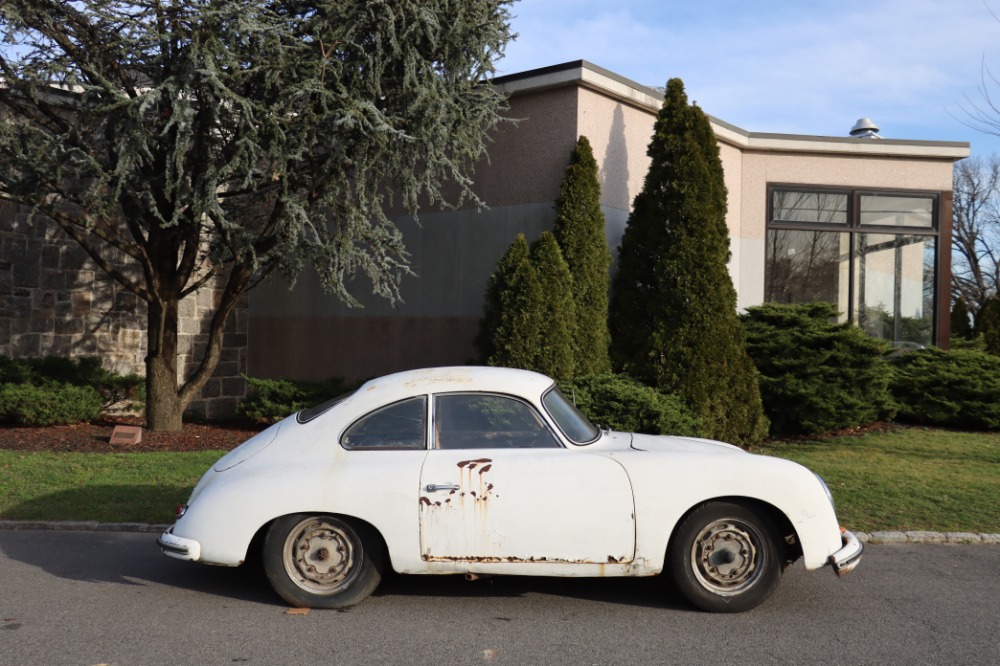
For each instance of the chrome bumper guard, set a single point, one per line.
(848, 557)
(178, 547)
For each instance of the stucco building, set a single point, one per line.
(861, 222)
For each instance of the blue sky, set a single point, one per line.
(787, 65)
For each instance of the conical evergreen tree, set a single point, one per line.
(559, 318)
(961, 326)
(520, 328)
(498, 285)
(673, 321)
(988, 324)
(580, 231)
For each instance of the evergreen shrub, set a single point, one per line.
(270, 400)
(115, 389)
(674, 323)
(816, 375)
(988, 324)
(959, 388)
(623, 403)
(51, 404)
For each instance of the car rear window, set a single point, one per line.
(307, 415)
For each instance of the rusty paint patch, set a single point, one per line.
(489, 487)
(437, 503)
(472, 464)
(485, 468)
(613, 560)
(424, 501)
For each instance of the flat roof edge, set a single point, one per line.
(586, 74)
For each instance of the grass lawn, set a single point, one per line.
(106, 487)
(907, 478)
(904, 479)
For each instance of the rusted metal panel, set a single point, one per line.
(525, 506)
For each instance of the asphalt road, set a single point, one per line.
(110, 598)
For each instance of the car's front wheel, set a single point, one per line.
(320, 561)
(725, 557)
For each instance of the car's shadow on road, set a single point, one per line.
(134, 559)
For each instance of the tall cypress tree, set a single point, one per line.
(673, 321)
(580, 231)
(497, 295)
(988, 324)
(555, 351)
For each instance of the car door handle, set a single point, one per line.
(434, 487)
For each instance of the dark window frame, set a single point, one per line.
(434, 443)
(938, 230)
(423, 427)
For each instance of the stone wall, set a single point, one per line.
(55, 301)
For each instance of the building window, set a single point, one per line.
(872, 254)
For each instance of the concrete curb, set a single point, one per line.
(916, 536)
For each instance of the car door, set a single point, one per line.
(498, 486)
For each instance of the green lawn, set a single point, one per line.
(908, 478)
(905, 479)
(107, 487)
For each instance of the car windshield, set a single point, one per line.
(569, 419)
(309, 414)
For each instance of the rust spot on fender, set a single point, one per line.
(613, 560)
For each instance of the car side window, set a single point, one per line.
(396, 426)
(479, 421)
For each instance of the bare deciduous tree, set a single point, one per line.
(976, 231)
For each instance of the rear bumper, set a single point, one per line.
(844, 560)
(179, 547)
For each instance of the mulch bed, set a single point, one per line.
(95, 437)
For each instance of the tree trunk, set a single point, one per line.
(164, 409)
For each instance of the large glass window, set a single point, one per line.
(871, 254)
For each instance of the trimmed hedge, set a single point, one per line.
(622, 403)
(270, 400)
(816, 375)
(959, 388)
(52, 404)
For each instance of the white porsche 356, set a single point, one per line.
(476, 470)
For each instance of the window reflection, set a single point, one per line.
(895, 276)
(805, 266)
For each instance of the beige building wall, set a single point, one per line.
(304, 333)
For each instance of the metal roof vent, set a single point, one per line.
(865, 129)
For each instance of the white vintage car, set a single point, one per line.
(488, 471)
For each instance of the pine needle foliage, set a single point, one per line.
(579, 229)
(961, 325)
(673, 316)
(817, 375)
(221, 141)
(497, 297)
(555, 353)
(988, 324)
(513, 327)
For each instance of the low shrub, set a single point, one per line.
(52, 404)
(816, 375)
(127, 391)
(959, 388)
(270, 400)
(623, 403)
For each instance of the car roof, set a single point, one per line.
(457, 378)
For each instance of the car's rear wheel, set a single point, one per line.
(725, 557)
(320, 561)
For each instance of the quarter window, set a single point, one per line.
(397, 426)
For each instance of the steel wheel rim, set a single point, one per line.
(320, 556)
(728, 556)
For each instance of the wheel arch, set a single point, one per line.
(368, 532)
(787, 535)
